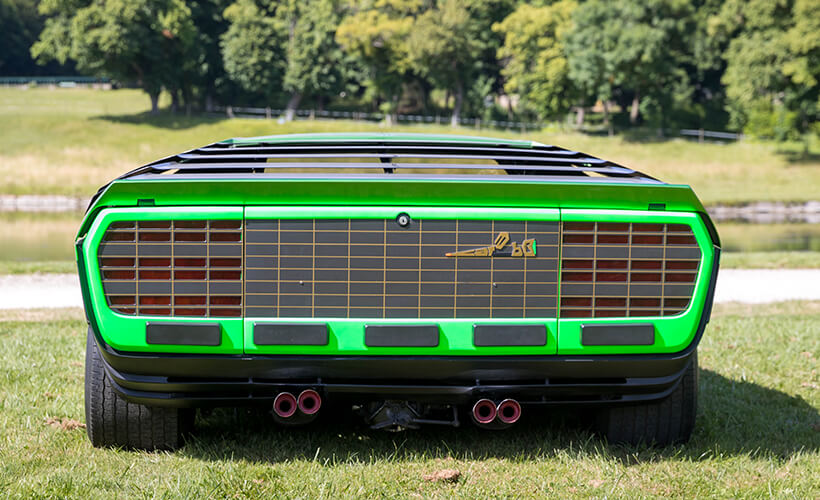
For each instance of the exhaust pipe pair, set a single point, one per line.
(285, 405)
(507, 412)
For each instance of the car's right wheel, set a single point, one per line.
(660, 423)
(114, 422)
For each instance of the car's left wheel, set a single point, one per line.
(114, 422)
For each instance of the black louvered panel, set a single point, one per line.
(614, 269)
(374, 268)
(173, 268)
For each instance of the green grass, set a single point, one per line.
(71, 141)
(29, 267)
(768, 260)
(757, 434)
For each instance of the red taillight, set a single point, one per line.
(630, 263)
(167, 271)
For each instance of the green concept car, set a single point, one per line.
(416, 279)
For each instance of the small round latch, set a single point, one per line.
(403, 220)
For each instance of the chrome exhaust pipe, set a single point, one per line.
(508, 411)
(309, 402)
(484, 411)
(284, 405)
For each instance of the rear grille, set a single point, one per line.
(376, 268)
(611, 270)
(173, 268)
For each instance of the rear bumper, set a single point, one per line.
(201, 381)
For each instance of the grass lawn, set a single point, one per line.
(762, 260)
(757, 433)
(71, 141)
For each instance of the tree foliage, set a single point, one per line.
(21, 25)
(751, 64)
(772, 63)
(631, 46)
(316, 64)
(537, 68)
(375, 32)
(253, 47)
(151, 42)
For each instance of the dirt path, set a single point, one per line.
(754, 286)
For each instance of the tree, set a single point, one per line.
(375, 33)
(772, 64)
(631, 46)
(803, 68)
(286, 48)
(316, 64)
(445, 49)
(536, 64)
(21, 25)
(253, 48)
(151, 42)
(209, 80)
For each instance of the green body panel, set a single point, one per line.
(127, 333)
(672, 333)
(405, 192)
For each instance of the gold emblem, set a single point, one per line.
(501, 247)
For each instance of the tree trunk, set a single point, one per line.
(633, 111)
(293, 104)
(579, 116)
(154, 102)
(320, 103)
(175, 101)
(607, 120)
(459, 95)
(187, 100)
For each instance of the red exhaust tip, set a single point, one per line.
(309, 402)
(484, 411)
(509, 411)
(284, 405)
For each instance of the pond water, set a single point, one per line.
(28, 236)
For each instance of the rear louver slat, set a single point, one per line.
(173, 268)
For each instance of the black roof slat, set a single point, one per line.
(613, 169)
(193, 157)
(208, 175)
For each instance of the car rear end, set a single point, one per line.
(420, 279)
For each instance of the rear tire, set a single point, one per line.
(114, 422)
(660, 423)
